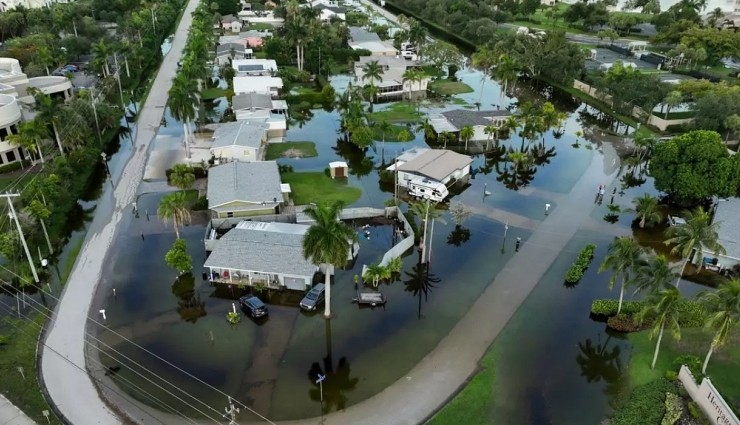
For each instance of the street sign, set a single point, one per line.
(320, 381)
(321, 378)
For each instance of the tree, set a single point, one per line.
(425, 210)
(484, 60)
(404, 136)
(609, 34)
(178, 258)
(29, 136)
(732, 125)
(328, 242)
(183, 100)
(713, 106)
(697, 234)
(182, 176)
(624, 255)
(49, 112)
(174, 206)
(441, 54)
(653, 275)
(662, 308)
(648, 210)
(372, 71)
(723, 306)
(101, 52)
(384, 127)
(506, 72)
(673, 99)
(492, 131)
(412, 75)
(695, 166)
(466, 133)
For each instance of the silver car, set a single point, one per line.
(313, 298)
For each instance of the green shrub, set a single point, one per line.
(673, 409)
(646, 404)
(691, 313)
(602, 307)
(201, 204)
(9, 168)
(671, 375)
(622, 323)
(575, 273)
(692, 362)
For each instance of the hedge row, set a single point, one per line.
(691, 313)
(646, 404)
(575, 273)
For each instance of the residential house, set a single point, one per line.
(231, 23)
(254, 67)
(258, 253)
(239, 141)
(10, 117)
(436, 165)
(248, 39)
(245, 189)
(327, 13)
(454, 121)
(251, 17)
(392, 84)
(8, 5)
(225, 53)
(271, 85)
(727, 217)
(261, 108)
(361, 39)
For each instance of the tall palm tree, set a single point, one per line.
(101, 52)
(29, 137)
(492, 131)
(624, 255)
(662, 308)
(715, 16)
(372, 71)
(672, 99)
(425, 210)
(467, 133)
(412, 75)
(695, 236)
(484, 60)
(506, 71)
(182, 176)
(183, 99)
(518, 159)
(49, 112)
(648, 210)
(653, 275)
(45, 58)
(384, 127)
(511, 123)
(174, 206)
(723, 306)
(328, 242)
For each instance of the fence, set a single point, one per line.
(398, 249)
(708, 398)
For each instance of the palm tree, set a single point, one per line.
(467, 133)
(372, 71)
(445, 136)
(511, 124)
(29, 137)
(695, 236)
(518, 159)
(624, 254)
(648, 210)
(49, 112)
(404, 136)
(183, 99)
(425, 210)
(101, 52)
(327, 243)
(492, 131)
(44, 57)
(484, 60)
(715, 16)
(412, 75)
(723, 306)
(384, 127)
(182, 176)
(653, 275)
(662, 308)
(673, 99)
(506, 71)
(174, 206)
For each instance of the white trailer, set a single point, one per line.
(421, 188)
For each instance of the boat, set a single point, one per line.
(369, 298)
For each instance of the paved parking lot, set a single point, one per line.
(610, 56)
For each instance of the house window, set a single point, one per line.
(3, 133)
(14, 129)
(10, 155)
(2, 159)
(230, 214)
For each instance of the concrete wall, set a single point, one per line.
(708, 398)
(242, 209)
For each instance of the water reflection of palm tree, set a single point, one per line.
(458, 236)
(337, 382)
(420, 282)
(189, 306)
(598, 362)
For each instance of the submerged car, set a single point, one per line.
(253, 306)
(313, 298)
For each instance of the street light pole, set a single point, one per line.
(424, 239)
(20, 232)
(95, 112)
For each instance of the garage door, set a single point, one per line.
(296, 283)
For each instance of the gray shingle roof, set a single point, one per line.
(243, 181)
(357, 34)
(251, 100)
(225, 48)
(240, 133)
(463, 117)
(263, 247)
(335, 9)
(728, 216)
(436, 163)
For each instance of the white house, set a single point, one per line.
(254, 67)
(239, 141)
(435, 165)
(231, 23)
(7, 5)
(261, 108)
(228, 52)
(13, 81)
(331, 12)
(271, 85)
(727, 216)
(392, 84)
(244, 189)
(453, 121)
(361, 39)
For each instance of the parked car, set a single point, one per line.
(253, 306)
(71, 68)
(313, 298)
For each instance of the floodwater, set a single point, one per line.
(271, 365)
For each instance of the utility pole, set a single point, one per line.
(231, 412)
(20, 232)
(424, 238)
(95, 112)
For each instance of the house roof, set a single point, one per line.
(437, 164)
(389, 61)
(259, 84)
(254, 65)
(251, 101)
(440, 124)
(225, 48)
(357, 35)
(373, 46)
(243, 181)
(728, 217)
(335, 9)
(263, 247)
(227, 19)
(463, 117)
(240, 133)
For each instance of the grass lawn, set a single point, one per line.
(261, 54)
(212, 93)
(298, 149)
(20, 351)
(723, 368)
(433, 71)
(401, 111)
(260, 26)
(472, 405)
(18, 181)
(317, 187)
(447, 87)
(390, 136)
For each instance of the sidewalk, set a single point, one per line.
(11, 415)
